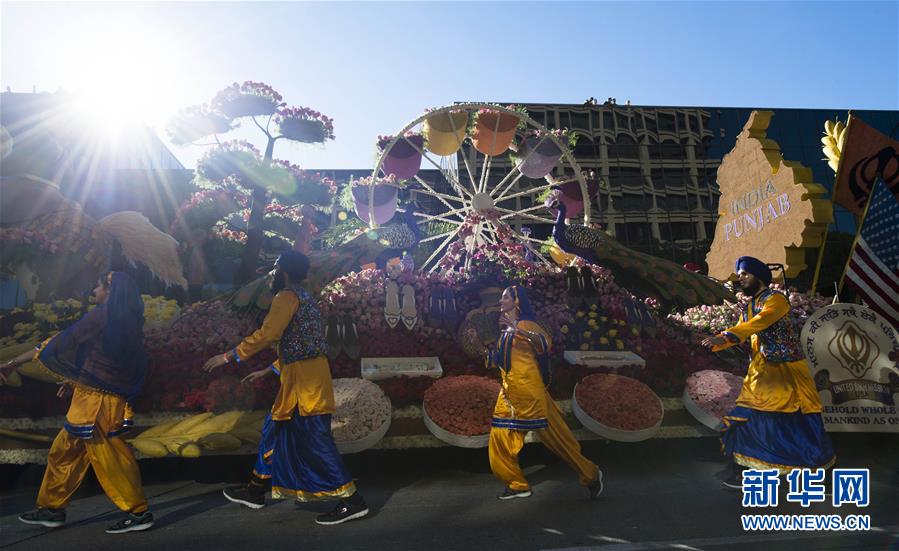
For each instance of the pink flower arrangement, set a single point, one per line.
(304, 124)
(715, 392)
(247, 99)
(619, 402)
(384, 140)
(35, 238)
(710, 320)
(462, 405)
(565, 136)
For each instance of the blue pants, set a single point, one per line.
(301, 458)
(773, 440)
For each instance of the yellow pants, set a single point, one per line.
(505, 445)
(112, 459)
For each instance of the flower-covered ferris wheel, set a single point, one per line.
(489, 194)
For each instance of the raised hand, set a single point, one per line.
(215, 362)
(256, 375)
(714, 340)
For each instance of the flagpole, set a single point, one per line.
(858, 233)
(833, 195)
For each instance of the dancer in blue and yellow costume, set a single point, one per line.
(522, 355)
(297, 452)
(777, 421)
(102, 357)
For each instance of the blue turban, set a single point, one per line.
(755, 267)
(295, 264)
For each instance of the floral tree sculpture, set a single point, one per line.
(253, 194)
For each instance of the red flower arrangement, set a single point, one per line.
(619, 402)
(462, 405)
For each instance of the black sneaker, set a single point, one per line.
(509, 493)
(243, 495)
(343, 512)
(734, 481)
(595, 487)
(51, 518)
(132, 523)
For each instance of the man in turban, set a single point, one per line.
(297, 452)
(777, 422)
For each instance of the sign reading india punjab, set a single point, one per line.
(769, 207)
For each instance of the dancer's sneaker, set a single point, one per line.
(734, 481)
(509, 493)
(51, 518)
(132, 523)
(245, 496)
(345, 510)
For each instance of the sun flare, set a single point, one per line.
(120, 74)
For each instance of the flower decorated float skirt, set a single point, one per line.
(523, 405)
(777, 422)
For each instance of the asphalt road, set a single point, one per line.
(660, 494)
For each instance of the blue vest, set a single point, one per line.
(303, 338)
(780, 341)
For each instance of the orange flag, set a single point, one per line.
(867, 154)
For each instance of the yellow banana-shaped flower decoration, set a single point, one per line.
(833, 141)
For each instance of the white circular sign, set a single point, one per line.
(848, 349)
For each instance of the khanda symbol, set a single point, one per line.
(854, 350)
(885, 163)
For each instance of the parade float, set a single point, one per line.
(399, 295)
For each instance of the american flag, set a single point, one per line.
(873, 268)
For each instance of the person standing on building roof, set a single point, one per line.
(297, 452)
(777, 422)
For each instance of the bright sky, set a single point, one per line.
(375, 66)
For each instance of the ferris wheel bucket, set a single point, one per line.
(572, 197)
(537, 163)
(493, 132)
(403, 160)
(445, 132)
(383, 206)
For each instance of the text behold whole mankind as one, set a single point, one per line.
(759, 216)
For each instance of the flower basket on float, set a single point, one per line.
(494, 131)
(362, 415)
(444, 132)
(458, 410)
(304, 125)
(246, 100)
(618, 408)
(539, 154)
(570, 192)
(709, 395)
(375, 198)
(403, 160)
